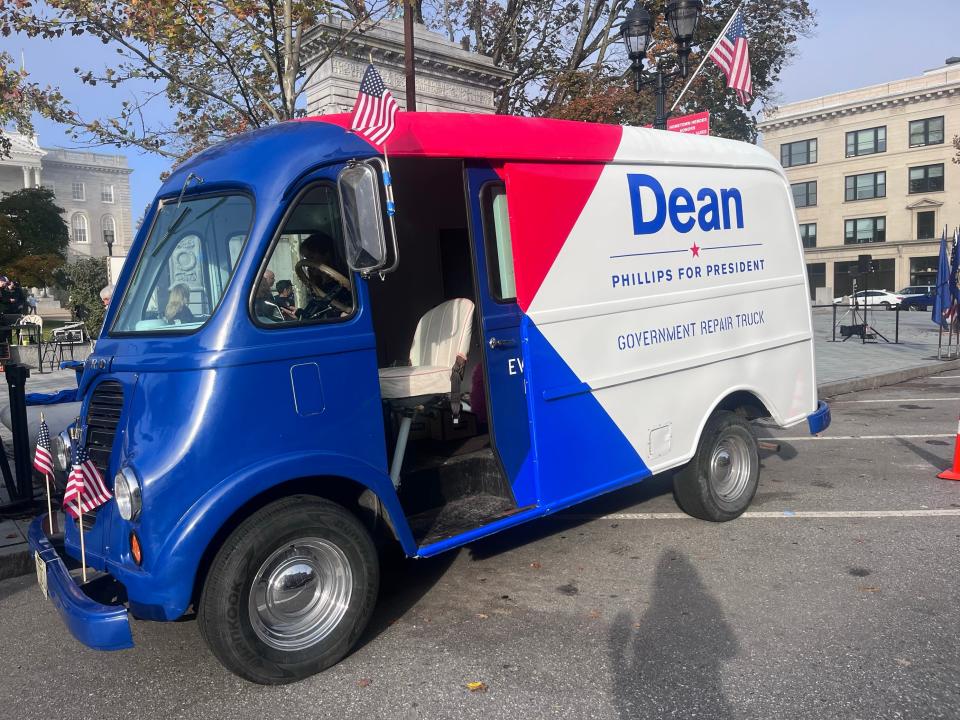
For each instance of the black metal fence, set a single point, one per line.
(867, 323)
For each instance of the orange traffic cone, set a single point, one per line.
(954, 472)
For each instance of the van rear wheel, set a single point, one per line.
(290, 591)
(720, 481)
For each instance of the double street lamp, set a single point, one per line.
(683, 16)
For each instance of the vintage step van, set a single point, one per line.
(290, 376)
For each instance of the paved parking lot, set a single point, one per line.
(837, 597)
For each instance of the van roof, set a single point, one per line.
(507, 137)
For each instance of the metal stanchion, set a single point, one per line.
(17, 375)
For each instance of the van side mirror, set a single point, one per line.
(362, 215)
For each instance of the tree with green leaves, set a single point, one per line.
(223, 66)
(570, 61)
(82, 281)
(33, 236)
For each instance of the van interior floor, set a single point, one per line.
(450, 487)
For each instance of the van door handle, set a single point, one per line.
(495, 343)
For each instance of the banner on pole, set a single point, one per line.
(696, 124)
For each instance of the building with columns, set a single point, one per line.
(92, 188)
(449, 77)
(872, 173)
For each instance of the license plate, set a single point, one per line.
(41, 573)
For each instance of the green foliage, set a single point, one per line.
(604, 93)
(37, 223)
(84, 280)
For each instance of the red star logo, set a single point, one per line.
(695, 250)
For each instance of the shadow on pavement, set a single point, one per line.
(669, 663)
(936, 461)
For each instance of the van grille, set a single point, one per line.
(103, 417)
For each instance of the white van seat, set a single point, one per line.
(438, 355)
(441, 341)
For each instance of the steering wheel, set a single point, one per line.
(301, 270)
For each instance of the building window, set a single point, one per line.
(926, 132)
(79, 191)
(804, 194)
(109, 226)
(817, 275)
(867, 142)
(803, 152)
(866, 187)
(106, 193)
(808, 233)
(928, 178)
(78, 226)
(865, 230)
(926, 225)
(923, 271)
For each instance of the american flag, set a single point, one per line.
(42, 459)
(85, 487)
(374, 111)
(732, 55)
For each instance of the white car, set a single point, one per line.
(883, 298)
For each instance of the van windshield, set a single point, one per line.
(185, 265)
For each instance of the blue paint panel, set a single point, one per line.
(504, 366)
(579, 449)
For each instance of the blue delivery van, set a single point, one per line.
(291, 377)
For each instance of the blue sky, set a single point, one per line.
(856, 43)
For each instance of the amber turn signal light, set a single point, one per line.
(135, 550)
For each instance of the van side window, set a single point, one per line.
(306, 279)
(496, 224)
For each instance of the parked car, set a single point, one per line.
(883, 298)
(917, 297)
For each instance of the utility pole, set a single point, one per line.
(408, 55)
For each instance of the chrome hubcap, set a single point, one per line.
(730, 468)
(300, 594)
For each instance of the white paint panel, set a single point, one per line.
(662, 326)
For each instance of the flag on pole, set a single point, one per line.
(955, 269)
(85, 487)
(374, 111)
(732, 55)
(941, 294)
(42, 459)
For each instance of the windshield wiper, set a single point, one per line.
(171, 230)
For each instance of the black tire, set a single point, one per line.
(885, 305)
(703, 494)
(227, 620)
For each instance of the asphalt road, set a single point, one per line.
(614, 613)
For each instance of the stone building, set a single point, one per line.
(448, 77)
(92, 188)
(872, 173)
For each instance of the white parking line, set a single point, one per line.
(897, 400)
(765, 515)
(856, 437)
(945, 377)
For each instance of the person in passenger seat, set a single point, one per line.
(263, 304)
(330, 293)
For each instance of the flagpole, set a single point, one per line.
(83, 551)
(705, 58)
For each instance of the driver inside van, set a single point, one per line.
(330, 294)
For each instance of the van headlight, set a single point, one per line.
(126, 488)
(62, 447)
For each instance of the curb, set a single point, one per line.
(872, 382)
(15, 561)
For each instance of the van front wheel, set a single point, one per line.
(720, 481)
(290, 591)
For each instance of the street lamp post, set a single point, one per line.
(637, 32)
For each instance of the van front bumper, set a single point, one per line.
(820, 420)
(101, 627)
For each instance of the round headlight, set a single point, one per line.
(126, 488)
(62, 448)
